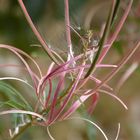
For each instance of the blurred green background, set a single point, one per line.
(48, 16)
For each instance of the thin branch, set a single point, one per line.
(68, 32)
(51, 137)
(36, 32)
(67, 22)
(118, 131)
(126, 75)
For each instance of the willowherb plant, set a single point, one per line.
(60, 103)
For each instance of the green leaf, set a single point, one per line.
(15, 105)
(13, 95)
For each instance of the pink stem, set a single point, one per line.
(36, 32)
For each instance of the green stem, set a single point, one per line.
(103, 39)
(115, 11)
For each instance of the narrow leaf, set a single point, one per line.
(13, 94)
